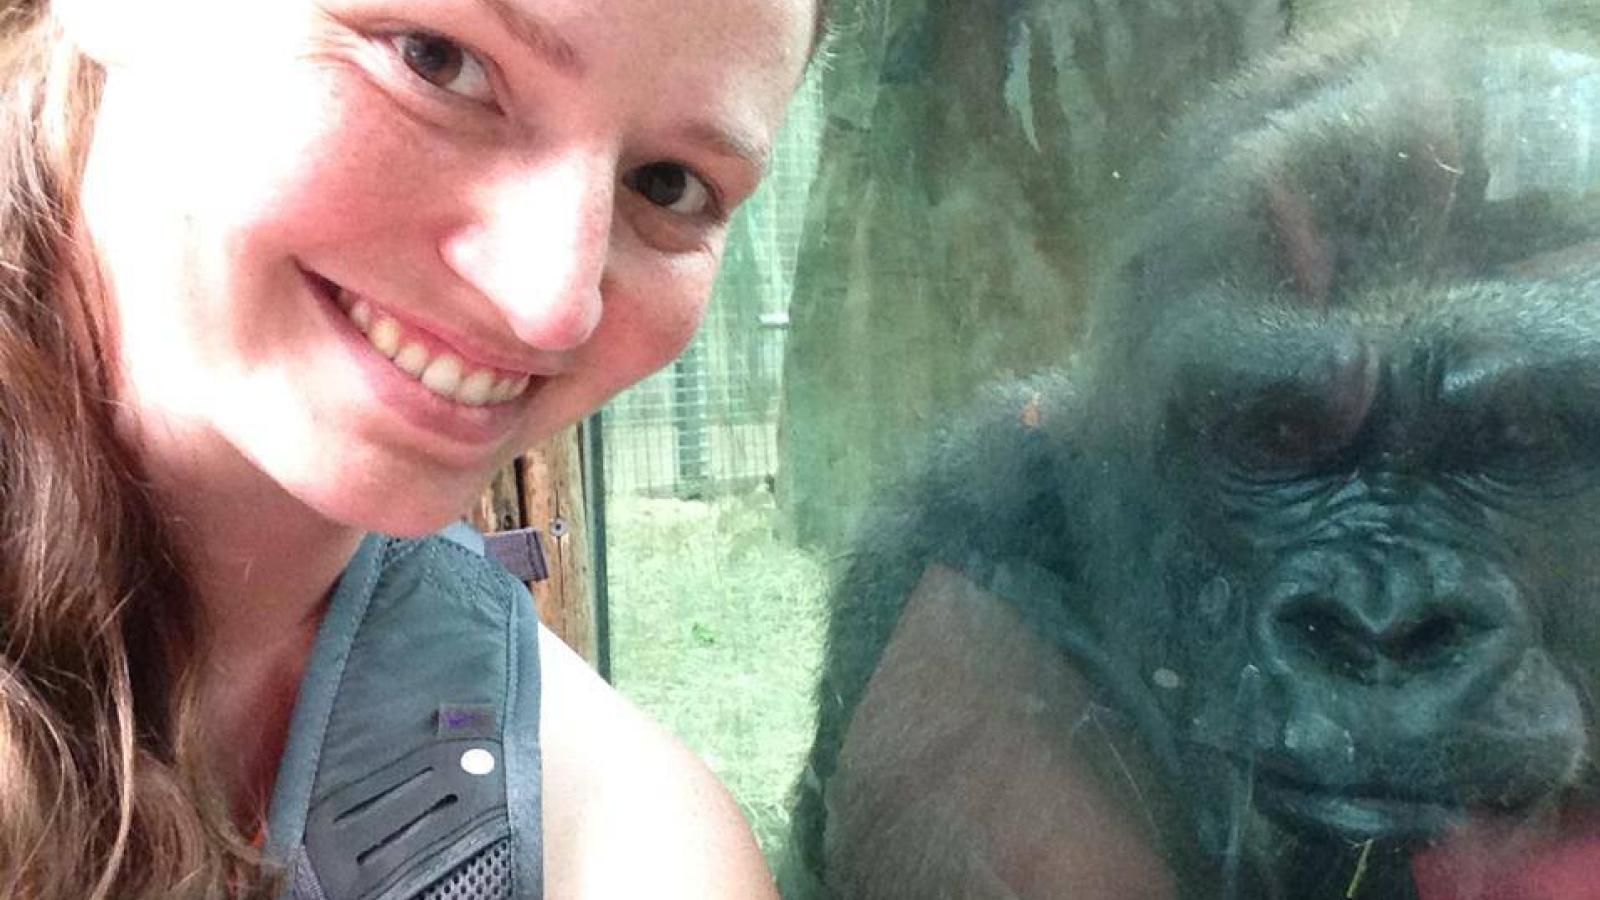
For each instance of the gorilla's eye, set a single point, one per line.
(1282, 436)
(1529, 425)
(1261, 423)
(1279, 441)
(1523, 436)
(1523, 441)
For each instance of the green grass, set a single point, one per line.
(717, 632)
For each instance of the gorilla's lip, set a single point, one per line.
(1359, 813)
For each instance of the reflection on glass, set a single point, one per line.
(1280, 583)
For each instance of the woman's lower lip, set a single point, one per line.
(414, 403)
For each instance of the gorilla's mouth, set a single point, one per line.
(1358, 813)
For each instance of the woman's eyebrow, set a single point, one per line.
(724, 142)
(542, 40)
(536, 35)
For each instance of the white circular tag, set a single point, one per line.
(477, 761)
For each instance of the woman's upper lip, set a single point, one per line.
(471, 349)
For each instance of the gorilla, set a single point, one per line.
(1285, 585)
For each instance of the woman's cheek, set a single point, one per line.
(668, 320)
(314, 153)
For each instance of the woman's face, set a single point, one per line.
(378, 247)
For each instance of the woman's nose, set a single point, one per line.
(536, 245)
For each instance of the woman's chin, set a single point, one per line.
(401, 510)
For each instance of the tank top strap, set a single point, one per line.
(412, 769)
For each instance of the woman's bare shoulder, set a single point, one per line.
(629, 811)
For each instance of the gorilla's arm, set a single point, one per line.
(990, 495)
(978, 764)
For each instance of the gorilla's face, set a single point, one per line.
(1377, 527)
(1354, 372)
(1384, 570)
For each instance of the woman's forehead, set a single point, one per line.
(725, 58)
(715, 24)
(712, 21)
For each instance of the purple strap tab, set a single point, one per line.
(468, 720)
(520, 551)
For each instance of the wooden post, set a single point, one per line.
(550, 477)
(500, 506)
(544, 490)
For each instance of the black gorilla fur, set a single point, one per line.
(1314, 511)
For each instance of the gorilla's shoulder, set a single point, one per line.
(992, 483)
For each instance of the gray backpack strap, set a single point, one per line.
(412, 770)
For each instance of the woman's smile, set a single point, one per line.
(433, 361)
(430, 384)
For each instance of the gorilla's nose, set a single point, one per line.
(1388, 619)
(1320, 629)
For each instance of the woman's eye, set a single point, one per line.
(444, 64)
(672, 187)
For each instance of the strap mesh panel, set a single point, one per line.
(486, 876)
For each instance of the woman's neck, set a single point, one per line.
(261, 561)
(263, 565)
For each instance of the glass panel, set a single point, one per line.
(1181, 476)
(716, 621)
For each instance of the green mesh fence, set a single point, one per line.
(707, 424)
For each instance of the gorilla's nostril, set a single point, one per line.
(1432, 641)
(1332, 636)
(1323, 631)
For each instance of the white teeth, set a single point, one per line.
(385, 335)
(443, 375)
(475, 390)
(361, 314)
(508, 388)
(412, 359)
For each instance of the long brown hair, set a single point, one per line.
(103, 793)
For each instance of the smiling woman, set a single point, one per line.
(260, 264)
